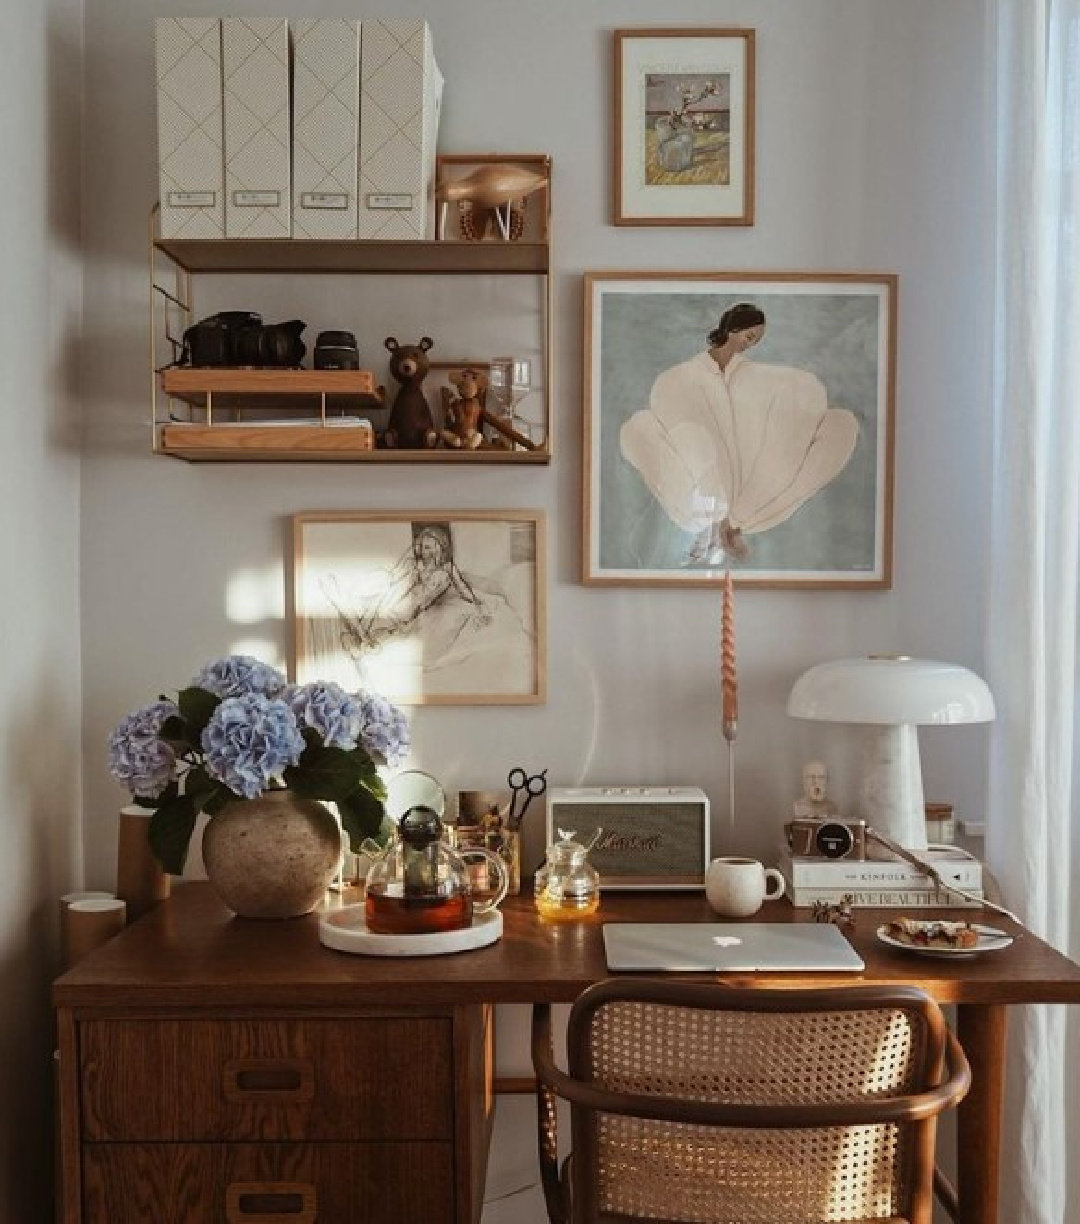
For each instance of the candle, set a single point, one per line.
(728, 682)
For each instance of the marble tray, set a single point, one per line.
(345, 930)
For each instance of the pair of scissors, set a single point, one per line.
(522, 784)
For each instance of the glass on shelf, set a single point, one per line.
(509, 384)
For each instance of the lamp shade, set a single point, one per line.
(890, 690)
(892, 695)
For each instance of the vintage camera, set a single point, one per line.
(827, 837)
(241, 338)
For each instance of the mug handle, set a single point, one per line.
(781, 884)
(501, 875)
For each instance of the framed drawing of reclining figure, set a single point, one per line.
(424, 607)
(739, 421)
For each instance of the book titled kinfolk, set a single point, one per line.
(883, 883)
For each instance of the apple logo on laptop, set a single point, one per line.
(726, 941)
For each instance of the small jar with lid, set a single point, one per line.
(940, 824)
(567, 886)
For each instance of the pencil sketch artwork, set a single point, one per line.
(687, 126)
(744, 429)
(421, 610)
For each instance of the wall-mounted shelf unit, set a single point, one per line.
(227, 415)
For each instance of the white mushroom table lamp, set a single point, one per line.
(892, 696)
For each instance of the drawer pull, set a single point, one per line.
(281, 1081)
(270, 1203)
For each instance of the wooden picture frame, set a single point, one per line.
(426, 607)
(786, 456)
(684, 127)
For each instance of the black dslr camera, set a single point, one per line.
(240, 338)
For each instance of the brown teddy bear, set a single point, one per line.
(465, 412)
(411, 425)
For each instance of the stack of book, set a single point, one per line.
(885, 883)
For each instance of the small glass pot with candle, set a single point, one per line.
(567, 885)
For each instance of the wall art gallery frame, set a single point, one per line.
(426, 607)
(779, 468)
(684, 127)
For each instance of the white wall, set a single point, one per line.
(870, 146)
(869, 141)
(40, 284)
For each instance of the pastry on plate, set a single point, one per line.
(923, 933)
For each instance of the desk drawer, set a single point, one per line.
(273, 1183)
(267, 1079)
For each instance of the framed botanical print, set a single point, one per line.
(684, 127)
(423, 607)
(739, 421)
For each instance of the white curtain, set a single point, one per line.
(1033, 614)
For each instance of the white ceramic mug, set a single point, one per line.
(736, 887)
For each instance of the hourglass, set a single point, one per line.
(509, 382)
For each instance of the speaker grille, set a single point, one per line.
(642, 842)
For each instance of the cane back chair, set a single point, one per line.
(736, 1105)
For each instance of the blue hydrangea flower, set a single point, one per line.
(384, 730)
(250, 741)
(327, 709)
(138, 759)
(235, 675)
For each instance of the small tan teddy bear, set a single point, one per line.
(464, 412)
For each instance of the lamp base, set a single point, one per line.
(891, 791)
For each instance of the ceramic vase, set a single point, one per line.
(272, 857)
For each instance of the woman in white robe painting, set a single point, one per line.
(730, 447)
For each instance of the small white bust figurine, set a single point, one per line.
(813, 801)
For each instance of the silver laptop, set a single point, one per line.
(728, 947)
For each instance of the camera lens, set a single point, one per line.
(834, 840)
(272, 344)
(336, 350)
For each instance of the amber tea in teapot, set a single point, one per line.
(390, 914)
(418, 885)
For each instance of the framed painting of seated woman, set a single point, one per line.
(423, 607)
(739, 421)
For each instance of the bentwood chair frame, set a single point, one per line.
(632, 1120)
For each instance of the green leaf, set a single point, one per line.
(324, 773)
(361, 816)
(373, 783)
(175, 730)
(214, 802)
(170, 792)
(196, 707)
(207, 794)
(170, 832)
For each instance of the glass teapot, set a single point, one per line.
(418, 885)
(567, 885)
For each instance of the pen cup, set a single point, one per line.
(503, 842)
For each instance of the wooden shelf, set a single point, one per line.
(232, 388)
(310, 443)
(237, 443)
(370, 255)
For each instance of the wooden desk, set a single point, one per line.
(191, 961)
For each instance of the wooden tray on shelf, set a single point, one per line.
(236, 388)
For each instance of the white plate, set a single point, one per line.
(990, 940)
(345, 930)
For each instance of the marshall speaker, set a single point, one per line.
(650, 836)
